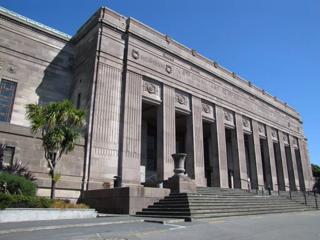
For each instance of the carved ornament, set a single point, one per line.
(169, 69)
(135, 54)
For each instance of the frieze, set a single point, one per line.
(214, 87)
(285, 139)
(208, 111)
(182, 101)
(228, 118)
(274, 135)
(246, 124)
(262, 130)
(151, 90)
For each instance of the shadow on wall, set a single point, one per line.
(57, 81)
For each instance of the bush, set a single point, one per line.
(66, 204)
(14, 184)
(20, 201)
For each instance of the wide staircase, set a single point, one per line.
(216, 202)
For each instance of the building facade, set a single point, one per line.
(146, 97)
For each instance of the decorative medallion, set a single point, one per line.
(261, 130)
(245, 122)
(285, 139)
(227, 116)
(169, 69)
(12, 69)
(181, 99)
(151, 88)
(206, 108)
(135, 54)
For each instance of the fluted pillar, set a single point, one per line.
(284, 160)
(241, 151)
(131, 135)
(166, 134)
(197, 141)
(257, 150)
(220, 167)
(306, 166)
(294, 161)
(272, 159)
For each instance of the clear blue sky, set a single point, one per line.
(275, 43)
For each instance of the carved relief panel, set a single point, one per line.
(285, 139)
(229, 118)
(182, 101)
(208, 111)
(246, 124)
(151, 90)
(262, 130)
(274, 135)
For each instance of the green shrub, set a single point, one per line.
(14, 184)
(20, 201)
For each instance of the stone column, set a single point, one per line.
(306, 166)
(104, 143)
(294, 162)
(131, 135)
(194, 143)
(241, 151)
(257, 150)
(272, 159)
(220, 167)
(284, 160)
(166, 133)
(197, 143)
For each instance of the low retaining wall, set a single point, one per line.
(125, 200)
(35, 214)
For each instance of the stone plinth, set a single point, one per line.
(125, 200)
(180, 182)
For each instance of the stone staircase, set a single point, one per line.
(216, 202)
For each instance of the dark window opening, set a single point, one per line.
(7, 95)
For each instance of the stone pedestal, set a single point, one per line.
(180, 182)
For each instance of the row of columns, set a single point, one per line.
(166, 139)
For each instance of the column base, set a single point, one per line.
(180, 184)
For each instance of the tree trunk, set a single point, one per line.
(53, 185)
(53, 180)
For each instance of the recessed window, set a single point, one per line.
(79, 100)
(7, 94)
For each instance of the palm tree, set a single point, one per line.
(60, 125)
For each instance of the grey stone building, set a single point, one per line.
(147, 97)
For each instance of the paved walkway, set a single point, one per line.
(293, 226)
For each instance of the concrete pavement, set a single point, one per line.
(293, 226)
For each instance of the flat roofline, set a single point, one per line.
(248, 84)
(34, 23)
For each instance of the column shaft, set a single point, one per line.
(241, 152)
(131, 140)
(273, 167)
(306, 167)
(257, 150)
(284, 160)
(294, 162)
(166, 134)
(197, 136)
(220, 167)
